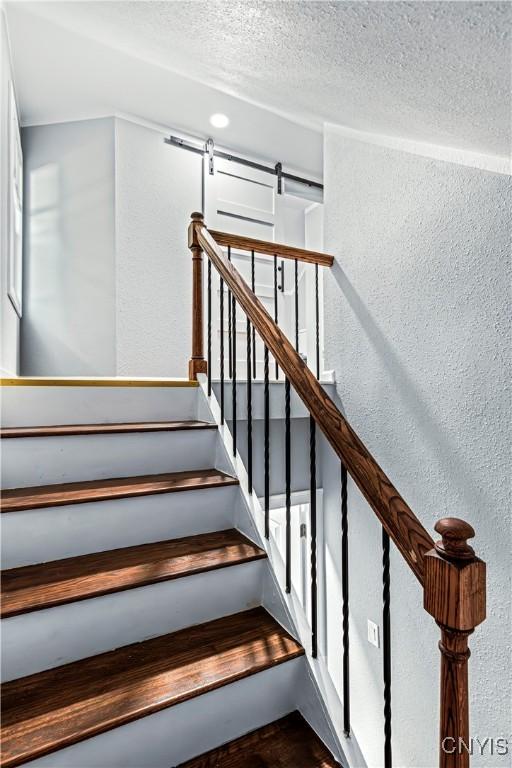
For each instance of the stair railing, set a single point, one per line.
(452, 576)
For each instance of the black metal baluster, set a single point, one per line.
(288, 484)
(221, 309)
(312, 507)
(230, 356)
(317, 324)
(233, 374)
(249, 408)
(266, 460)
(253, 286)
(386, 648)
(209, 328)
(344, 596)
(296, 305)
(275, 304)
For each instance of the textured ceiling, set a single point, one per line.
(432, 71)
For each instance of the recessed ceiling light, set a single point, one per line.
(218, 120)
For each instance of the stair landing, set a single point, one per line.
(287, 743)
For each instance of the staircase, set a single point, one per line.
(134, 632)
(150, 613)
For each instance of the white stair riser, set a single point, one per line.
(276, 398)
(45, 460)
(41, 535)
(42, 639)
(171, 736)
(42, 406)
(300, 455)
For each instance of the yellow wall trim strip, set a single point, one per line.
(42, 381)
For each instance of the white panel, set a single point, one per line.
(241, 194)
(179, 733)
(39, 535)
(248, 228)
(69, 324)
(45, 460)
(240, 200)
(40, 406)
(43, 639)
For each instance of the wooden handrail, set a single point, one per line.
(271, 249)
(452, 576)
(398, 519)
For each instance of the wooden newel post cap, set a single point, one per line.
(454, 533)
(454, 578)
(195, 218)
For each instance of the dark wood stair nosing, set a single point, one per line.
(114, 428)
(216, 540)
(33, 497)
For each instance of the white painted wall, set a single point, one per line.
(417, 330)
(10, 322)
(157, 188)
(107, 268)
(68, 325)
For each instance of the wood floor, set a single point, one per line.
(287, 743)
(38, 497)
(34, 587)
(58, 707)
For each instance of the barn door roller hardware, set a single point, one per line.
(279, 174)
(208, 148)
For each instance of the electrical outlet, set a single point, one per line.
(373, 633)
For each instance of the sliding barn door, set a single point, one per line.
(242, 200)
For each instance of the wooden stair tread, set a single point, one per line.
(34, 587)
(47, 711)
(63, 430)
(287, 743)
(36, 497)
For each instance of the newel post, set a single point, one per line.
(197, 363)
(454, 594)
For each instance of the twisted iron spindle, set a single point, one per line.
(296, 274)
(386, 648)
(209, 327)
(230, 327)
(312, 507)
(266, 460)
(345, 603)
(221, 310)
(276, 314)
(253, 287)
(288, 485)
(233, 375)
(249, 407)
(317, 324)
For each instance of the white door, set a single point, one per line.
(242, 200)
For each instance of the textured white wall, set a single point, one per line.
(417, 329)
(10, 325)
(157, 188)
(68, 325)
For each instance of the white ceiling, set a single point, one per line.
(437, 72)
